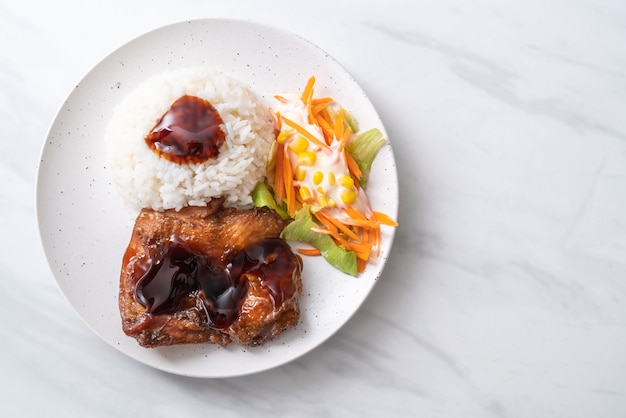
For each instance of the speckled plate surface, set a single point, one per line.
(85, 228)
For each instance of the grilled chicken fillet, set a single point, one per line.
(208, 274)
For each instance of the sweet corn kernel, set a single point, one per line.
(318, 176)
(306, 158)
(320, 190)
(299, 144)
(323, 201)
(305, 193)
(283, 135)
(346, 181)
(331, 202)
(331, 178)
(348, 196)
(300, 173)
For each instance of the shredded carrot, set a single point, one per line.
(311, 116)
(324, 115)
(279, 124)
(279, 182)
(353, 166)
(327, 130)
(323, 101)
(312, 252)
(377, 241)
(289, 190)
(359, 220)
(362, 250)
(332, 229)
(303, 131)
(343, 228)
(343, 140)
(384, 219)
(307, 93)
(373, 238)
(338, 127)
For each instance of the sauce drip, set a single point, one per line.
(189, 132)
(273, 262)
(174, 273)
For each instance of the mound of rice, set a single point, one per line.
(146, 181)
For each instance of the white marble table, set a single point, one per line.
(505, 295)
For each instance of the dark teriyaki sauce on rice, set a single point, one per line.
(189, 132)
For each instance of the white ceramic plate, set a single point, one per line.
(85, 229)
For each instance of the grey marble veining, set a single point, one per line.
(505, 293)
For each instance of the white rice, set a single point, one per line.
(144, 180)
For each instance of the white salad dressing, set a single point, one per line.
(326, 178)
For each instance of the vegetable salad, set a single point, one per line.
(317, 175)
